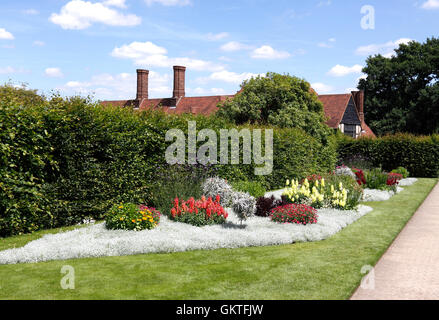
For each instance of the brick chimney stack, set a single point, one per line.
(142, 84)
(179, 82)
(359, 102)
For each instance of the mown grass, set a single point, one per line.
(329, 269)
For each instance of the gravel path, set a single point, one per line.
(409, 269)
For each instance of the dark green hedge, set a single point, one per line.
(64, 160)
(418, 154)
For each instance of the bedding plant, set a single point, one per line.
(294, 213)
(199, 213)
(337, 192)
(403, 171)
(377, 179)
(132, 217)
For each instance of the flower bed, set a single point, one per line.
(320, 194)
(132, 217)
(169, 236)
(199, 213)
(294, 213)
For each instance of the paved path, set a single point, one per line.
(409, 270)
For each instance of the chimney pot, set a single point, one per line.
(142, 84)
(179, 82)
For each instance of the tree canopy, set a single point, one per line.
(279, 100)
(402, 91)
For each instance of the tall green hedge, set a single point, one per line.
(418, 154)
(63, 160)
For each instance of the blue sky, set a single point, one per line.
(95, 46)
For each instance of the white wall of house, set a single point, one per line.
(358, 130)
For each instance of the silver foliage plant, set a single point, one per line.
(345, 171)
(217, 186)
(243, 204)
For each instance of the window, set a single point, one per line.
(350, 130)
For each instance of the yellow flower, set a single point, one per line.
(144, 218)
(134, 221)
(120, 207)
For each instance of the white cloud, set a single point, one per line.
(169, 3)
(341, 71)
(430, 5)
(119, 86)
(12, 70)
(5, 35)
(53, 73)
(147, 54)
(324, 3)
(31, 12)
(7, 70)
(229, 77)
(115, 3)
(349, 90)
(217, 36)
(385, 49)
(78, 14)
(328, 44)
(322, 88)
(234, 46)
(39, 43)
(267, 52)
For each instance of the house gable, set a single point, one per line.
(351, 116)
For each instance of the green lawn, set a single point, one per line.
(328, 269)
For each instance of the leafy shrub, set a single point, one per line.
(254, 188)
(132, 217)
(199, 213)
(376, 179)
(355, 160)
(418, 154)
(265, 205)
(294, 213)
(298, 155)
(244, 205)
(279, 100)
(402, 171)
(25, 157)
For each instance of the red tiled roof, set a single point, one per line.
(369, 132)
(195, 105)
(335, 107)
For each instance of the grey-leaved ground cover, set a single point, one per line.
(169, 236)
(97, 241)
